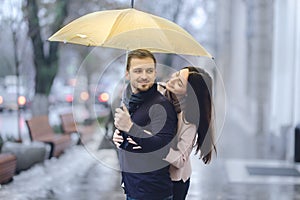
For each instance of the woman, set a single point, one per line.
(189, 91)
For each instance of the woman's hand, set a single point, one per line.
(131, 141)
(117, 138)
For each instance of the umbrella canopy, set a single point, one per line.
(129, 29)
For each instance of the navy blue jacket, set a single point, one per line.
(144, 172)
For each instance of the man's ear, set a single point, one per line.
(127, 75)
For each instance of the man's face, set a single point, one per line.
(141, 74)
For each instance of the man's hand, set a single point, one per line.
(117, 138)
(122, 119)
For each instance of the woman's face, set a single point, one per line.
(178, 82)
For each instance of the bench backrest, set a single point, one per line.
(39, 127)
(68, 123)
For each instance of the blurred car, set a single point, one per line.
(10, 100)
(65, 95)
(69, 90)
(102, 98)
(62, 95)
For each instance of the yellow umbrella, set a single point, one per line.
(129, 29)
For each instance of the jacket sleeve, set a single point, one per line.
(161, 130)
(179, 156)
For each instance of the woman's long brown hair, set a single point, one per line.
(199, 111)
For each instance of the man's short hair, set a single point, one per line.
(139, 53)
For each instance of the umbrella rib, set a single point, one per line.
(115, 24)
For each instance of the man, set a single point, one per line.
(150, 120)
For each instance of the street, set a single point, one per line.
(9, 122)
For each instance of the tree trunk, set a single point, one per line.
(40, 105)
(46, 63)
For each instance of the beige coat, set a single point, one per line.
(179, 158)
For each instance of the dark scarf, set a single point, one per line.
(136, 100)
(133, 102)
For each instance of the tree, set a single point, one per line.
(14, 42)
(45, 54)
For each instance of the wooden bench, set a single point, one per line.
(8, 163)
(69, 126)
(40, 130)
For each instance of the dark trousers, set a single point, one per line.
(168, 198)
(180, 189)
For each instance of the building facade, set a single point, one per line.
(258, 48)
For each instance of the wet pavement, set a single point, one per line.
(90, 173)
(77, 174)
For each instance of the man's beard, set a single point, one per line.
(144, 87)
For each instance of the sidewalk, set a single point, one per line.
(81, 173)
(227, 177)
